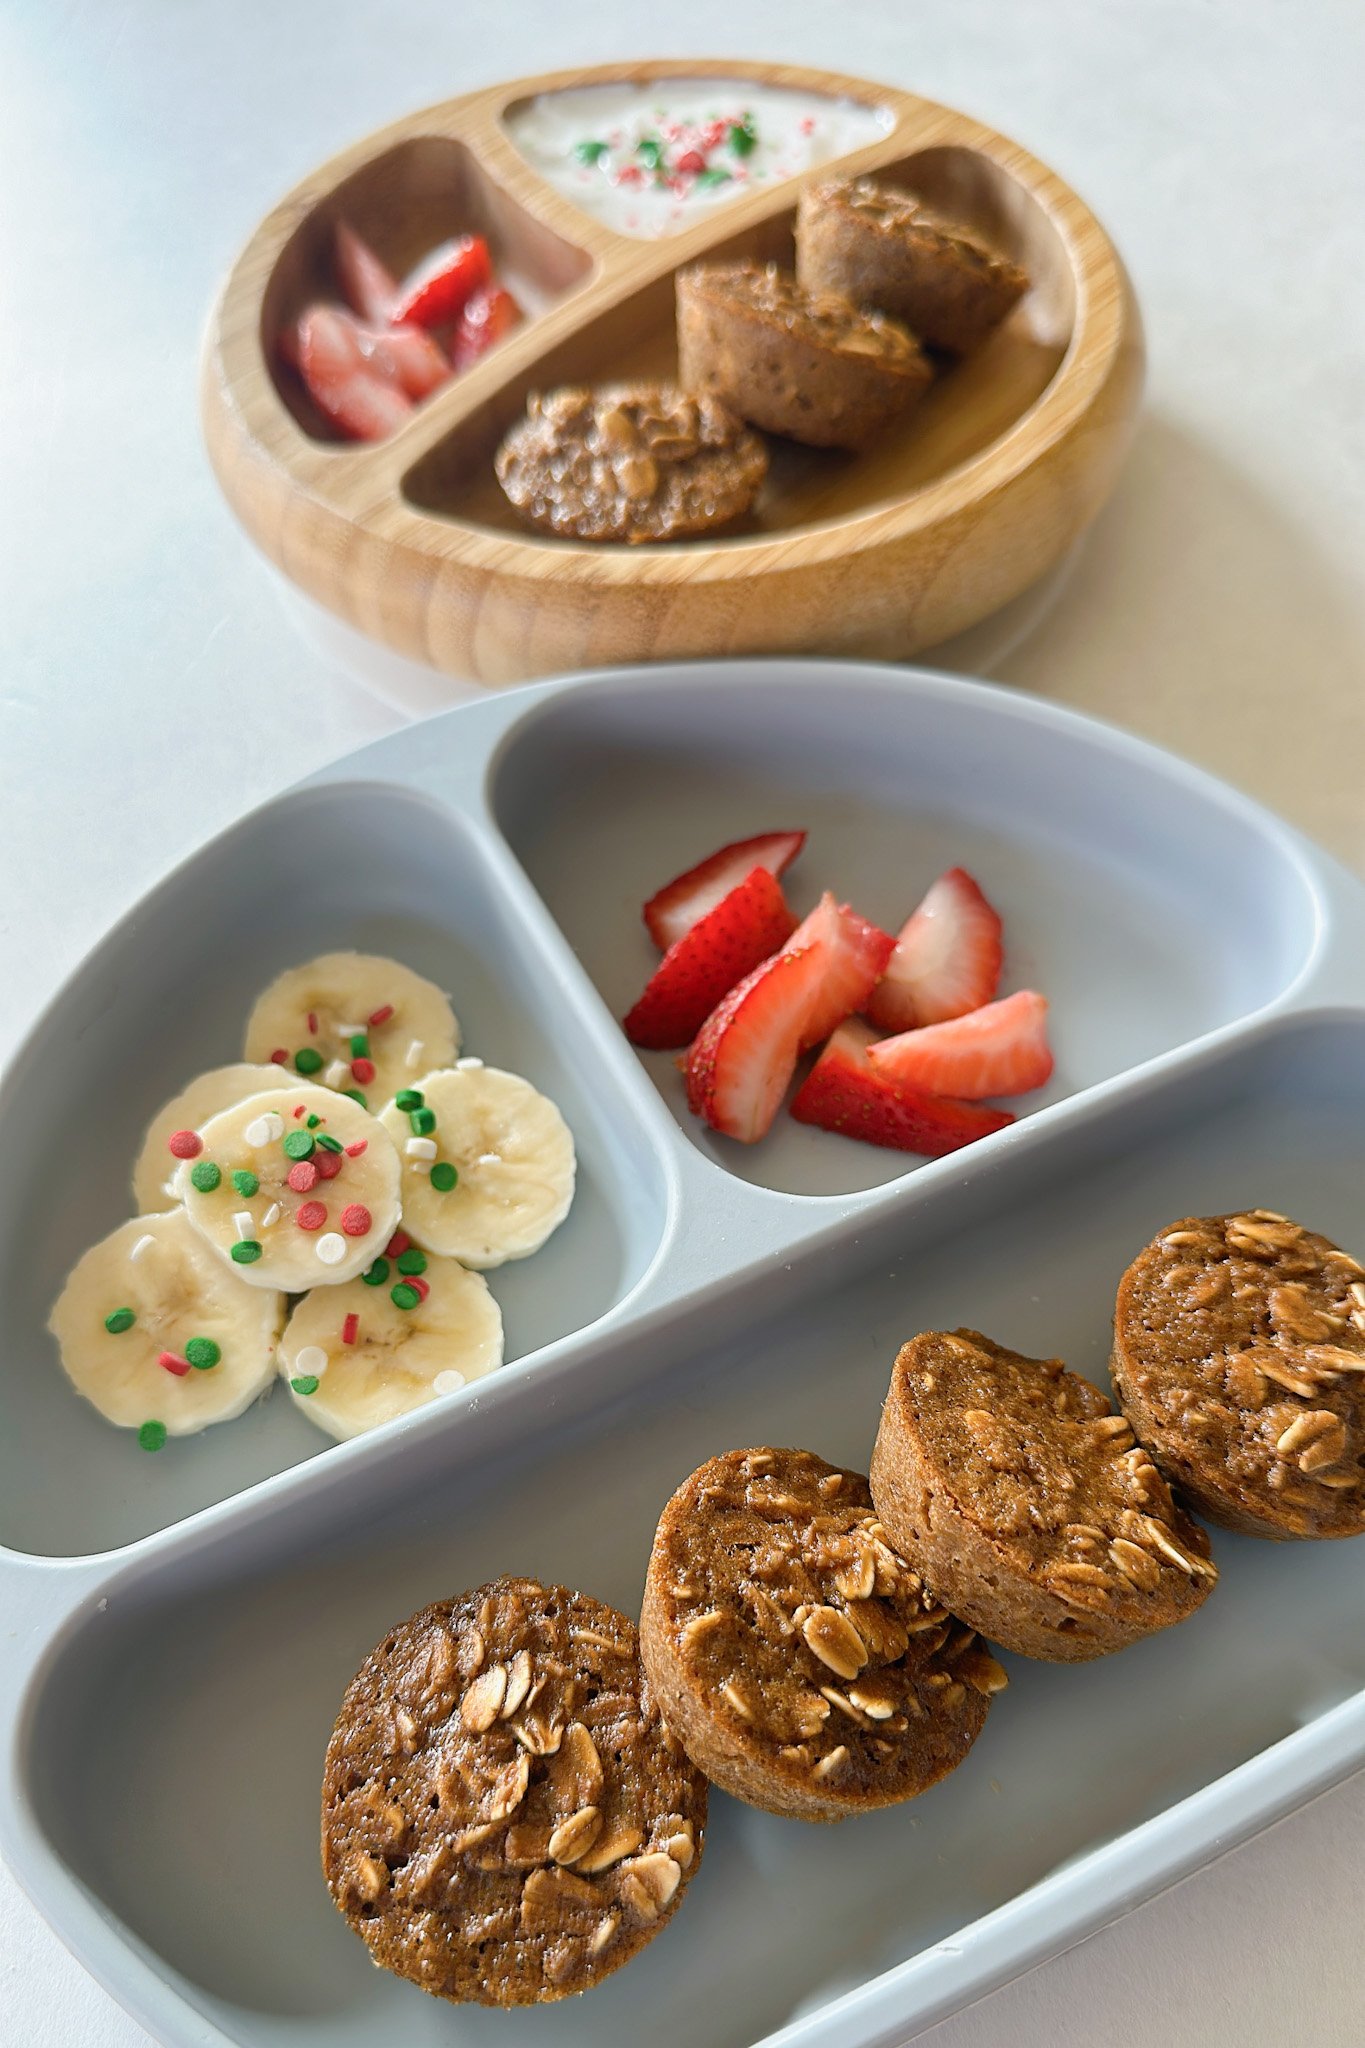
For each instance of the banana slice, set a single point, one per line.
(356, 1022)
(358, 1355)
(294, 1188)
(512, 1156)
(204, 1097)
(159, 1335)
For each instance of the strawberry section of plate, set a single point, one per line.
(182, 1625)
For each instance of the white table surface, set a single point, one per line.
(154, 681)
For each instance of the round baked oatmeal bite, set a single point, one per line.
(806, 364)
(634, 463)
(1239, 1356)
(505, 1817)
(798, 1659)
(1027, 1504)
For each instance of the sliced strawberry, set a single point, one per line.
(1000, 1049)
(745, 1053)
(856, 954)
(720, 949)
(947, 958)
(370, 289)
(353, 395)
(439, 288)
(844, 1092)
(676, 907)
(405, 357)
(487, 316)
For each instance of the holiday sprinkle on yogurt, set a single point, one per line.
(651, 160)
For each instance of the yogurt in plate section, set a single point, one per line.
(649, 160)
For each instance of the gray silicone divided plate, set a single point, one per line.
(179, 1629)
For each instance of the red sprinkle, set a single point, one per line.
(356, 1219)
(302, 1176)
(380, 1016)
(313, 1023)
(280, 1056)
(692, 160)
(354, 1151)
(415, 1280)
(312, 1216)
(363, 1070)
(185, 1144)
(301, 1109)
(399, 1243)
(329, 1164)
(172, 1363)
(350, 1329)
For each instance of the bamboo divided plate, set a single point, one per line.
(982, 490)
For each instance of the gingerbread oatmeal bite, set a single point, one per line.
(505, 1817)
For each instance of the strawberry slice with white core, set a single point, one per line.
(370, 289)
(745, 1053)
(745, 927)
(354, 396)
(856, 954)
(405, 357)
(845, 1093)
(1000, 1049)
(675, 908)
(443, 283)
(947, 959)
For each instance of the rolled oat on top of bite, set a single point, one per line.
(505, 1817)
(1239, 1357)
(799, 1660)
(1027, 1503)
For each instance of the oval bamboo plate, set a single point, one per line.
(982, 490)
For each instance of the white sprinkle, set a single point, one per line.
(140, 1247)
(311, 1361)
(272, 1215)
(103, 1605)
(468, 1065)
(489, 1159)
(350, 1030)
(336, 1073)
(244, 1223)
(420, 1148)
(264, 1129)
(414, 1055)
(447, 1382)
(331, 1248)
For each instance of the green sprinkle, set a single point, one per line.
(744, 136)
(356, 1096)
(205, 1176)
(299, 1145)
(202, 1353)
(413, 1260)
(307, 1059)
(246, 1252)
(423, 1122)
(329, 1143)
(443, 1176)
(307, 1385)
(245, 1183)
(118, 1320)
(360, 1046)
(409, 1098)
(589, 152)
(403, 1296)
(377, 1274)
(152, 1435)
(650, 152)
(311, 1122)
(713, 175)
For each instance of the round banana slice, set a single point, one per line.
(159, 1335)
(412, 1331)
(294, 1188)
(355, 1022)
(219, 1089)
(488, 1163)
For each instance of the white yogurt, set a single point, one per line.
(649, 160)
